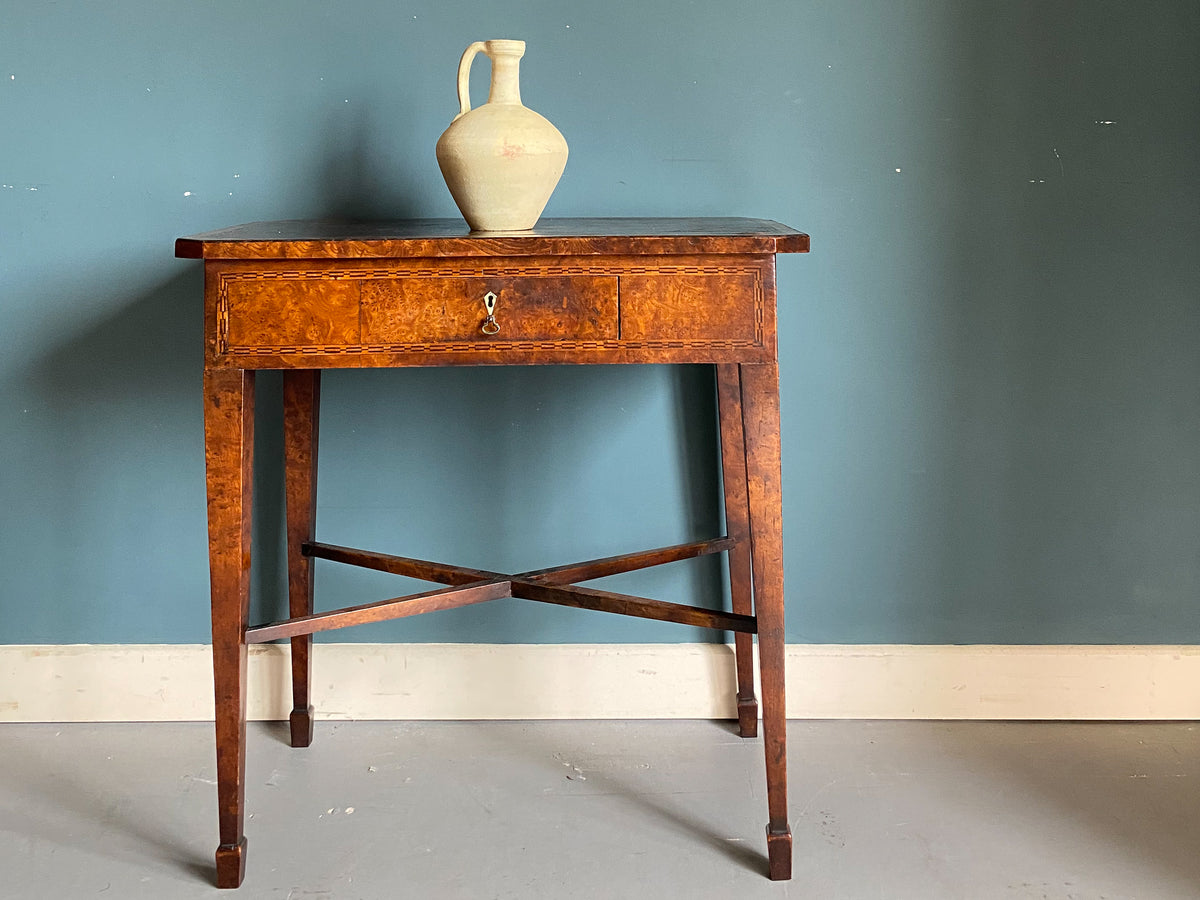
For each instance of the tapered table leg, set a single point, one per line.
(760, 416)
(737, 526)
(301, 412)
(229, 457)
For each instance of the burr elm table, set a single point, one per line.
(305, 296)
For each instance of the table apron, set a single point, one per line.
(313, 314)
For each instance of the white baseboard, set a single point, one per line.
(172, 682)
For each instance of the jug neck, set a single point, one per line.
(506, 78)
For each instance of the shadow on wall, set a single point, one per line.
(112, 481)
(357, 177)
(1062, 368)
(509, 469)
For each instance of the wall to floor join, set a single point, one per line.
(989, 362)
(173, 682)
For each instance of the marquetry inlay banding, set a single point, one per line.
(413, 309)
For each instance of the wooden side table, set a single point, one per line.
(307, 296)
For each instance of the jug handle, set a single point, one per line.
(464, 76)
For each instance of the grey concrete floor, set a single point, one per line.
(609, 810)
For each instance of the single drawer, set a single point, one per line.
(628, 310)
(453, 309)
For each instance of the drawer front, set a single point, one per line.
(544, 308)
(379, 313)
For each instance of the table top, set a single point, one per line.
(410, 238)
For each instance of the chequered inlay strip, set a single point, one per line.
(366, 274)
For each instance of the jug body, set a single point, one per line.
(501, 161)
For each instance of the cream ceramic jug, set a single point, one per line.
(501, 161)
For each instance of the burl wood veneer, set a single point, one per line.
(307, 296)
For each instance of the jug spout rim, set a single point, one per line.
(505, 46)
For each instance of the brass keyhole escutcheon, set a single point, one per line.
(490, 326)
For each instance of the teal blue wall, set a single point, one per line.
(990, 361)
